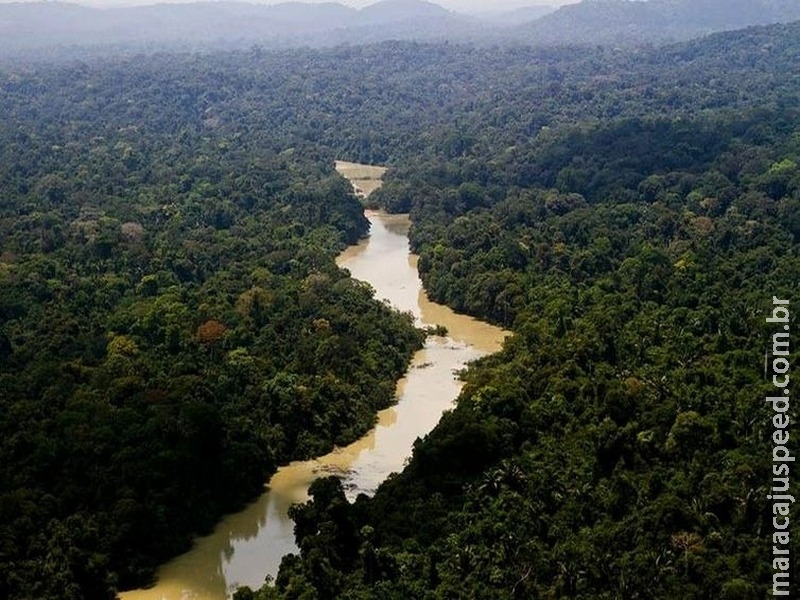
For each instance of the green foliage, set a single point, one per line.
(173, 327)
(618, 445)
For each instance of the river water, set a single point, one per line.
(246, 546)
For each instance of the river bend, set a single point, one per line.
(247, 545)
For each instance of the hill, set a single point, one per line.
(626, 21)
(51, 25)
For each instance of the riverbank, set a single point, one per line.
(246, 546)
(365, 179)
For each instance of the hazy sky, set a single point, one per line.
(472, 5)
(458, 5)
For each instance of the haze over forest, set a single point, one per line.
(469, 6)
(616, 183)
(58, 26)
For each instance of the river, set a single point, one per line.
(246, 546)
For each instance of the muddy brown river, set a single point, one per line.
(246, 546)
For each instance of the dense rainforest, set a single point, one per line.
(172, 324)
(619, 446)
(172, 327)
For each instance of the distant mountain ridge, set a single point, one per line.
(626, 21)
(387, 11)
(49, 26)
(225, 23)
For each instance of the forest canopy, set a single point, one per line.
(172, 327)
(172, 324)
